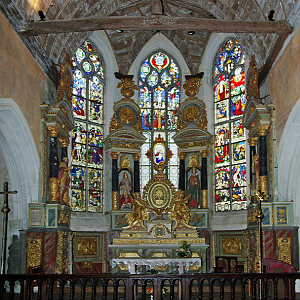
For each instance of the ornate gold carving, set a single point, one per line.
(53, 131)
(168, 241)
(204, 153)
(66, 79)
(126, 115)
(191, 86)
(282, 215)
(130, 235)
(87, 246)
(180, 211)
(139, 213)
(191, 114)
(129, 254)
(64, 217)
(180, 124)
(62, 261)
(34, 252)
(181, 155)
(203, 121)
(252, 141)
(138, 125)
(204, 198)
(285, 249)
(253, 89)
(115, 155)
(136, 156)
(64, 181)
(64, 142)
(114, 123)
(115, 197)
(158, 254)
(252, 216)
(125, 162)
(53, 189)
(232, 246)
(125, 144)
(194, 160)
(263, 185)
(262, 130)
(88, 264)
(127, 87)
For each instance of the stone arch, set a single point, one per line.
(21, 161)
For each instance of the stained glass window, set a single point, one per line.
(159, 98)
(87, 136)
(230, 135)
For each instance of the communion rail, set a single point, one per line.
(144, 287)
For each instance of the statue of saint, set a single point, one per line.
(125, 192)
(193, 189)
(64, 181)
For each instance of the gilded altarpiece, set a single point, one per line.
(270, 222)
(48, 234)
(153, 225)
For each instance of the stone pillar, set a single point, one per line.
(115, 180)
(263, 161)
(136, 173)
(53, 165)
(204, 184)
(182, 171)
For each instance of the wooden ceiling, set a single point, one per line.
(69, 22)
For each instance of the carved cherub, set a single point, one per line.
(139, 213)
(180, 211)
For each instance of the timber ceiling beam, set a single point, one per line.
(154, 23)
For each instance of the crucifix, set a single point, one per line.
(5, 209)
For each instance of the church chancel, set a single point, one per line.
(158, 221)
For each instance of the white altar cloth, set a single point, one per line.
(154, 262)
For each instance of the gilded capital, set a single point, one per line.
(53, 131)
(262, 130)
(115, 155)
(182, 155)
(252, 141)
(136, 156)
(204, 153)
(64, 142)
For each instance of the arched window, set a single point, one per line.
(159, 98)
(230, 138)
(87, 136)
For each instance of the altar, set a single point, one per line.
(152, 263)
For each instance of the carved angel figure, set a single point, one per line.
(127, 87)
(180, 211)
(139, 213)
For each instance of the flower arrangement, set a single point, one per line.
(149, 290)
(184, 250)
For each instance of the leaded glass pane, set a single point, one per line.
(230, 137)
(159, 99)
(87, 137)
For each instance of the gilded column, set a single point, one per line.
(115, 180)
(204, 185)
(182, 171)
(53, 165)
(136, 173)
(64, 148)
(263, 161)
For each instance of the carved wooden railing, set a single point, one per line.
(142, 287)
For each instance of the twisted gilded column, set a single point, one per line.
(204, 185)
(115, 180)
(53, 164)
(182, 170)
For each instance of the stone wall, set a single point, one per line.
(283, 82)
(22, 79)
